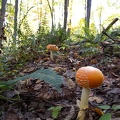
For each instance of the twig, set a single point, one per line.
(103, 32)
(110, 25)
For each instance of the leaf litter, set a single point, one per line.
(36, 96)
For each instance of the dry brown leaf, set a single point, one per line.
(69, 73)
(69, 83)
(46, 59)
(27, 70)
(93, 61)
(97, 99)
(98, 111)
(27, 81)
(37, 86)
(60, 69)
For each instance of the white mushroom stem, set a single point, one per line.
(51, 55)
(83, 103)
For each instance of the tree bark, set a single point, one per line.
(88, 11)
(51, 12)
(2, 19)
(15, 21)
(66, 4)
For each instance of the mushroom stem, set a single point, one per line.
(83, 103)
(51, 55)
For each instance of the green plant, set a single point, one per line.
(55, 111)
(88, 41)
(107, 116)
(5, 87)
(48, 75)
(106, 107)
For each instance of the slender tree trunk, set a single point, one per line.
(15, 21)
(88, 11)
(2, 17)
(66, 4)
(70, 17)
(51, 12)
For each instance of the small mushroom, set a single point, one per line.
(52, 48)
(87, 77)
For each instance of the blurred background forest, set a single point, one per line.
(27, 26)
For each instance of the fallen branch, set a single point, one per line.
(110, 25)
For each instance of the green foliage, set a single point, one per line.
(89, 39)
(89, 50)
(48, 75)
(115, 33)
(91, 44)
(106, 116)
(112, 46)
(116, 107)
(25, 39)
(106, 107)
(88, 44)
(55, 111)
(5, 87)
(56, 36)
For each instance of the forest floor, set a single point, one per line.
(34, 98)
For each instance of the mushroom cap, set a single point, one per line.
(52, 47)
(89, 77)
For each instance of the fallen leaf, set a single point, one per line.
(69, 83)
(60, 69)
(37, 86)
(27, 70)
(98, 111)
(69, 74)
(96, 99)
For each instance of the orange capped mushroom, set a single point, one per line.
(87, 77)
(52, 48)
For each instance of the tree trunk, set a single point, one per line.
(2, 17)
(15, 21)
(88, 11)
(51, 12)
(66, 4)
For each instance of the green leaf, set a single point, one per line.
(48, 75)
(106, 116)
(5, 87)
(116, 107)
(105, 107)
(55, 111)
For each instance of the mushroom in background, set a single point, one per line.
(52, 48)
(87, 77)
